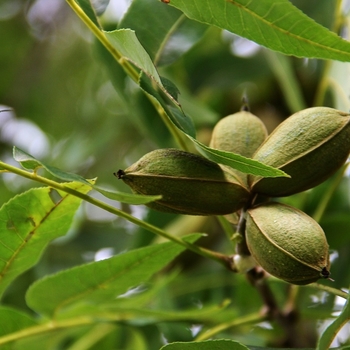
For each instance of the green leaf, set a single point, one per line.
(122, 310)
(125, 47)
(282, 66)
(115, 72)
(29, 162)
(89, 10)
(102, 281)
(170, 35)
(44, 340)
(133, 102)
(136, 340)
(26, 160)
(329, 334)
(185, 125)
(171, 87)
(339, 84)
(151, 21)
(197, 109)
(279, 26)
(12, 320)
(175, 114)
(28, 222)
(236, 161)
(220, 344)
(127, 44)
(180, 39)
(126, 197)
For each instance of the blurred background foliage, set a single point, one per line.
(66, 112)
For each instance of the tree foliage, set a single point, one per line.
(87, 89)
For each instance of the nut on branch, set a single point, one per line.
(309, 146)
(287, 243)
(240, 133)
(189, 184)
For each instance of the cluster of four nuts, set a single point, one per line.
(309, 146)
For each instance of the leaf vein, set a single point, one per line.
(28, 237)
(287, 32)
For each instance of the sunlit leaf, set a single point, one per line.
(277, 25)
(125, 47)
(236, 161)
(100, 281)
(151, 21)
(26, 160)
(12, 320)
(170, 34)
(28, 222)
(127, 44)
(175, 114)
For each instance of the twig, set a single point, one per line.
(221, 258)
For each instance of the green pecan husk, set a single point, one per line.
(240, 133)
(287, 243)
(309, 146)
(189, 184)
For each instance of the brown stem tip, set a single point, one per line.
(119, 174)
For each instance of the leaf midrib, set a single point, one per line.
(99, 285)
(29, 236)
(286, 32)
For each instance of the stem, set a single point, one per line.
(221, 258)
(253, 318)
(46, 327)
(319, 286)
(339, 92)
(96, 334)
(241, 247)
(290, 305)
(328, 194)
(227, 228)
(103, 318)
(169, 124)
(282, 69)
(258, 279)
(329, 289)
(338, 17)
(129, 69)
(323, 85)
